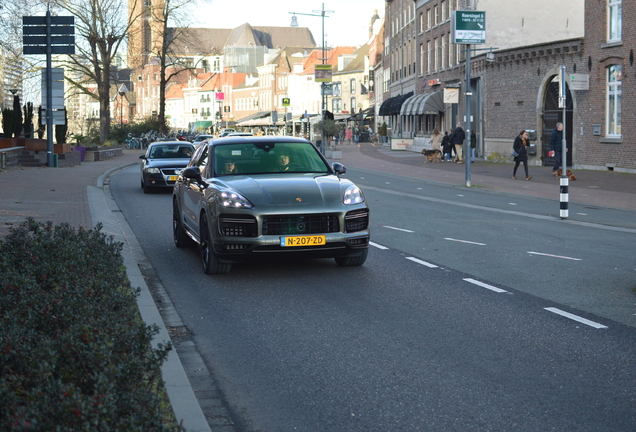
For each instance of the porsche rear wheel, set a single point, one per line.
(178, 233)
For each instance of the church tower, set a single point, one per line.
(146, 28)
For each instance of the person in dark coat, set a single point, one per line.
(446, 147)
(521, 142)
(473, 145)
(457, 140)
(556, 145)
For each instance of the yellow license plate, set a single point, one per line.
(315, 240)
(172, 178)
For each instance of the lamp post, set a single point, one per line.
(320, 13)
(121, 110)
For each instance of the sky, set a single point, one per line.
(347, 25)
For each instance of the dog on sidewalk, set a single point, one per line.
(432, 155)
(568, 174)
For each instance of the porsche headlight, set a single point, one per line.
(152, 170)
(234, 200)
(353, 195)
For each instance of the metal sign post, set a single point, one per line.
(564, 196)
(468, 27)
(48, 35)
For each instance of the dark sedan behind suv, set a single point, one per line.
(248, 197)
(161, 163)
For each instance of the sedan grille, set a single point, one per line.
(300, 224)
(357, 220)
(238, 226)
(170, 171)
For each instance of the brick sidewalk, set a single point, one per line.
(55, 194)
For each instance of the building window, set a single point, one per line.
(443, 6)
(421, 22)
(436, 55)
(428, 56)
(614, 78)
(615, 20)
(353, 105)
(443, 51)
(428, 19)
(336, 105)
(435, 15)
(352, 86)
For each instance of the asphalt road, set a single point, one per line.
(473, 312)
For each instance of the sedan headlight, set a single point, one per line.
(152, 170)
(234, 200)
(353, 195)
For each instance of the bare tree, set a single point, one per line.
(17, 68)
(176, 12)
(101, 28)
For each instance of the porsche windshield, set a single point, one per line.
(267, 157)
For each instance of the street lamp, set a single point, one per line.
(294, 23)
(121, 110)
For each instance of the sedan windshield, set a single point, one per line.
(170, 151)
(264, 158)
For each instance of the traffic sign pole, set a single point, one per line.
(39, 37)
(49, 94)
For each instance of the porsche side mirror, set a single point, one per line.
(339, 168)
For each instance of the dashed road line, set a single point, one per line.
(576, 318)
(419, 261)
(555, 256)
(398, 229)
(378, 246)
(485, 285)
(465, 241)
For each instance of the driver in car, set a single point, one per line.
(283, 162)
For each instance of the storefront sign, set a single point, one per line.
(579, 82)
(400, 143)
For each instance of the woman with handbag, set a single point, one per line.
(521, 155)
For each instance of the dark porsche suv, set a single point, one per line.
(245, 197)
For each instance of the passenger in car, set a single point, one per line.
(184, 152)
(229, 167)
(283, 162)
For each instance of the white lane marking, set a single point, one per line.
(575, 318)
(582, 214)
(485, 285)
(378, 246)
(555, 256)
(398, 229)
(419, 188)
(419, 261)
(512, 203)
(497, 210)
(465, 241)
(460, 195)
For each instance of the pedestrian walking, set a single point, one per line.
(457, 140)
(473, 145)
(356, 135)
(348, 135)
(519, 146)
(556, 145)
(446, 147)
(436, 140)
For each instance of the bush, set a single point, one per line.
(74, 353)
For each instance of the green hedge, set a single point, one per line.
(74, 353)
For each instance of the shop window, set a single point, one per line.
(614, 78)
